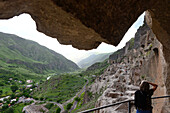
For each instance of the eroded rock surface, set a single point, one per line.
(121, 79)
(85, 24)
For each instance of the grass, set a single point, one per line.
(80, 103)
(6, 90)
(131, 43)
(60, 88)
(89, 105)
(15, 109)
(18, 108)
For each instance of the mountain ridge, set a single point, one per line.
(31, 55)
(92, 59)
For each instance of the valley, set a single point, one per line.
(32, 75)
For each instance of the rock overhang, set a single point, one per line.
(84, 24)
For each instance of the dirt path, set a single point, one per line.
(78, 95)
(69, 101)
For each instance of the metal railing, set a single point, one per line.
(127, 101)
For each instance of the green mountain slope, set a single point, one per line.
(17, 53)
(93, 59)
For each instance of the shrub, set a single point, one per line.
(36, 98)
(8, 101)
(69, 106)
(58, 110)
(17, 99)
(59, 100)
(1, 84)
(77, 99)
(14, 88)
(10, 110)
(41, 98)
(5, 106)
(13, 102)
(26, 95)
(49, 105)
(5, 99)
(13, 96)
(41, 110)
(1, 92)
(50, 100)
(143, 77)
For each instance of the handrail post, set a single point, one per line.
(129, 106)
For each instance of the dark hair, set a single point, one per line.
(144, 86)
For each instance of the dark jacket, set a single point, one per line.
(143, 100)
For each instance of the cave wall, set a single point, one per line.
(83, 24)
(154, 69)
(157, 23)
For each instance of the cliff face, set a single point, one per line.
(128, 67)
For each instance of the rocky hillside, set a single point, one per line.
(92, 59)
(140, 59)
(16, 52)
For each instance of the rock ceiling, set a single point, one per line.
(84, 24)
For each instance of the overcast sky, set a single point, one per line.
(25, 27)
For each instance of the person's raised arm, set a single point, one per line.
(154, 85)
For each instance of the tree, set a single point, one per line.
(58, 110)
(13, 102)
(1, 84)
(69, 106)
(10, 110)
(77, 99)
(8, 101)
(26, 94)
(17, 99)
(13, 96)
(14, 88)
(5, 106)
(41, 98)
(81, 75)
(1, 92)
(49, 105)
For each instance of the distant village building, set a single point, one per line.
(13, 100)
(2, 99)
(48, 77)
(24, 100)
(10, 78)
(94, 76)
(36, 84)
(28, 100)
(29, 81)
(28, 86)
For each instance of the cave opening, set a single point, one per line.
(156, 51)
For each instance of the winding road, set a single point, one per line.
(78, 95)
(69, 101)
